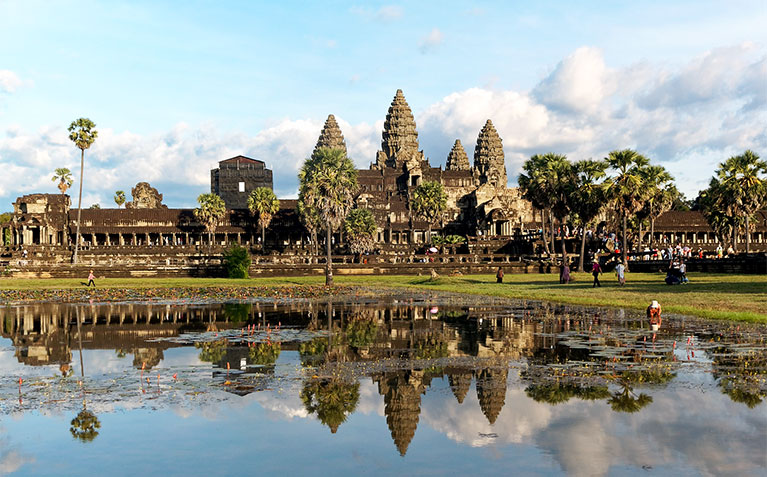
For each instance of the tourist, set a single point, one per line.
(91, 277)
(719, 251)
(565, 277)
(596, 270)
(620, 271)
(653, 313)
(499, 275)
(683, 271)
(730, 251)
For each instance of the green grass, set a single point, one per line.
(717, 296)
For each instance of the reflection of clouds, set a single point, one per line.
(370, 401)
(281, 406)
(11, 460)
(682, 429)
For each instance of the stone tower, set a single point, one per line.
(331, 136)
(491, 392)
(489, 164)
(457, 160)
(399, 144)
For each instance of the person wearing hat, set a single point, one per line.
(653, 314)
(596, 270)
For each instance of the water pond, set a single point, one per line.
(376, 384)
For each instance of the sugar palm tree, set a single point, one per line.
(716, 206)
(360, 228)
(210, 213)
(64, 176)
(658, 183)
(562, 183)
(535, 187)
(589, 196)
(119, 198)
(742, 177)
(626, 189)
(82, 132)
(309, 216)
(328, 182)
(263, 204)
(428, 203)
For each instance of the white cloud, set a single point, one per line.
(389, 13)
(579, 83)
(431, 41)
(9, 81)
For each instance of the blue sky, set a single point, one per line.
(175, 87)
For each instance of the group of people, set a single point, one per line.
(620, 273)
(677, 272)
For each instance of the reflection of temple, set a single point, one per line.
(402, 404)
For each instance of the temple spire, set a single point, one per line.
(457, 160)
(489, 163)
(331, 136)
(399, 143)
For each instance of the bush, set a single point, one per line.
(237, 262)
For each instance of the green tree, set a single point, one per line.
(536, 188)
(119, 198)
(562, 182)
(95, 206)
(82, 132)
(64, 176)
(263, 204)
(589, 197)
(660, 195)
(716, 205)
(428, 203)
(627, 401)
(84, 427)
(742, 178)
(310, 217)
(210, 213)
(327, 184)
(360, 228)
(331, 400)
(626, 188)
(237, 262)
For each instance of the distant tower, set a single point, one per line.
(489, 164)
(457, 160)
(235, 178)
(331, 136)
(491, 392)
(399, 144)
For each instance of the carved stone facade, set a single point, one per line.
(331, 136)
(457, 160)
(237, 177)
(145, 197)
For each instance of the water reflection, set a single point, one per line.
(519, 368)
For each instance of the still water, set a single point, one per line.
(382, 384)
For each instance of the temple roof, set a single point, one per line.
(400, 137)
(241, 159)
(488, 156)
(457, 160)
(331, 136)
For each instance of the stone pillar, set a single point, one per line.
(146, 236)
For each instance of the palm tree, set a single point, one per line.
(428, 203)
(660, 195)
(83, 133)
(360, 227)
(589, 196)
(562, 183)
(716, 206)
(119, 198)
(741, 178)
(328, 182)
(626, 188)
(535, 187)
(309, 216)
(264, 204)
(210, 213)
(64, 176)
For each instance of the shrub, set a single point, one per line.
(237, 262)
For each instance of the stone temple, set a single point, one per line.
(480, 206)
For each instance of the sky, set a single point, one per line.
(175, 87)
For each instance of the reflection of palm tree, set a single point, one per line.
(332, 400)
(361, 332)
(264, 353)
(237, 312)
(84, 426)
(627, 401)
(748, 397)
(212, 351)
(551, 392)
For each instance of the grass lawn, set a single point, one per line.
(720, 296)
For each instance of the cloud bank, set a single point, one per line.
(687, 117)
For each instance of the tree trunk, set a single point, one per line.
(329, 262)
(582, 259)
(263, 238)
(652, 231)
(551, 224)
(428, 234)
(563, 223)
(79, 205)
(735, 238)
(640, 236)
(543, 233)
(624, 245)
(748, 236)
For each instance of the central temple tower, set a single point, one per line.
(399, 144)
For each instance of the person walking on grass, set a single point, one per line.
(620, 271)
(91, 279)
(499, 275)
(564, 277)
(596, 270)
